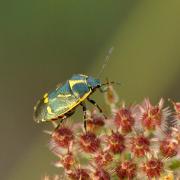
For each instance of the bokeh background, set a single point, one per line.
(43, 42)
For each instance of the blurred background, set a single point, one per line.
(42, 43)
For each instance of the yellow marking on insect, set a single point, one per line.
(46, 100)
(45, 95)
(73, 105)
(83, 75)
(49, 110)
(73, 82)
(64, 95)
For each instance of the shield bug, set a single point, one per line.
(62, 102)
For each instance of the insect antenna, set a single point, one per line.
(111, 82)
(107, 58)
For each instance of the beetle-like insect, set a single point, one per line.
(62, 102)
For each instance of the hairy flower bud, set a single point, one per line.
(89, 142)
(63, 137)
(124, 119)
(153, 116)
(169, 147)
(116, 142)
(101, 174)
(79, 174)
(153, 167)
(140, 145)
(103, 158)
(126, 169)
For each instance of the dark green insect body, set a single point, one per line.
(61, 103)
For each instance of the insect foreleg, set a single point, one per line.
(85, 114)
(95, 104)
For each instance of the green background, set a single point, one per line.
(44, 42)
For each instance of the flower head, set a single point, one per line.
(153, 167)
(126, 145)
(126, 169)
(153, 116)
(169, 147)
(89, 142)
(79, 174)
(95, 121)
(67, 160)
(63, 137)
(116, 142)
(140, 145)
(103, 158)
(101, 174)
(124, 119)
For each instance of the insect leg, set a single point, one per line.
(57, 125)
(95, 104)
(85, 114)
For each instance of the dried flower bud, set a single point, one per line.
(103, 158)
(169, 147)
(67, 161)
(63, 137)
(140, 145)
(126, 170)
(116, 142)
(153, 167)
(111, 96)
(89, 142)
(153, 116)
(101, 174)
(79, 174)
(95, 122)
(124, 119)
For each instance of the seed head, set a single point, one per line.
(79, 174)
(95, 122)
(89, 142)
(169, 147)
(103, 158)
(153, 167)
(116, 142)
(126, 137)
(152, 116)
(67, 161)
(63, 137)
(101, 174)
(140, 145)
(124, 119)
(126, 170)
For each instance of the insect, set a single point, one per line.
(63, 101)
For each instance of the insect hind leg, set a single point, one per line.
(85, 115)
(56, 124)
(98, 107)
